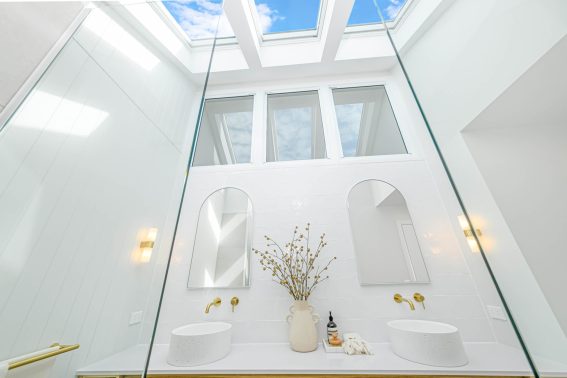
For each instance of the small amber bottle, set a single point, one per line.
(333, 332)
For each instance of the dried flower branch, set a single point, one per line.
(295, 266)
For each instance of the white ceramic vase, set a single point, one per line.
(302, 327)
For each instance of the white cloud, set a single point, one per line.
(393, 9)
(267, 16)
(199, 18)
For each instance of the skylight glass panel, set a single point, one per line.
(364, 11)
(199, 18)
(283, 16)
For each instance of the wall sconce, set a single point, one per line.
(147, 245)
(473, 245)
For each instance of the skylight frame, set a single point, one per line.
(379, 26)
(288, 35)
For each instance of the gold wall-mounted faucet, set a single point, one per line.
(216, 302)
(419, 299)
(234, 302)
(399, 299)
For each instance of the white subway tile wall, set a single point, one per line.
(285, 196)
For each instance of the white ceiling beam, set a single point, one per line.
(240, 17)
(336, 19)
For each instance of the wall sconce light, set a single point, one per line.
(147, 245)
(473, 245)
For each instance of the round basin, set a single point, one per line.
(427, 342)
(199, 343)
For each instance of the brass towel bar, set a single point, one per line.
(62, 349)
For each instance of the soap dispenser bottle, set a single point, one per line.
(333, 332)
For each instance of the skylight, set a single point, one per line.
(286, 16)
(364, 11)
(199, 18)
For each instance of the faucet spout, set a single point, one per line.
(411, 305)
(216, 302)
(399, 299)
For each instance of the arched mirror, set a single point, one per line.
(385, 242)
(221, 253)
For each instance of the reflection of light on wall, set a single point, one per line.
(473, 245)
(209, 282)
(113, 34)
(149, 18)
(214, 222)
(235, 270)
(56, 114)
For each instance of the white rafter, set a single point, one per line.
(335, 22)
(241, 20)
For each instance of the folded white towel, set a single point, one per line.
(40, 369)
(354, 344)
(3, 369)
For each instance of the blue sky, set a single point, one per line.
(364, 11)
(199, 18)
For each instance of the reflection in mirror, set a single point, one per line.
(367, 124)
(385, 242)
(225, 136)
(223, 241)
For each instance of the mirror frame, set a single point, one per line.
(248, 251)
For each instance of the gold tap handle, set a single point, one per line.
(419, 299)
(398, 298)
(234, 302)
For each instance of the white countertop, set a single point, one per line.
(484, 359)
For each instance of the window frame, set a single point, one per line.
(224, 127)
(409, 150)
(324, 87)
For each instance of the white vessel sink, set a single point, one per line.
(199, 343)
(426, 342)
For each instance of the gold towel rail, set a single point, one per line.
(62, 349)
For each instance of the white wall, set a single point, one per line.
(285, 194)
(91, 159)
(320, 198)
(525, 128)
(27, 33)
(459, 66)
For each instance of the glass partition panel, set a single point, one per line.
(92, 164)
(295, 127)
(491, 93)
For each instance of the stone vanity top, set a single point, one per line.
(484, 359)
